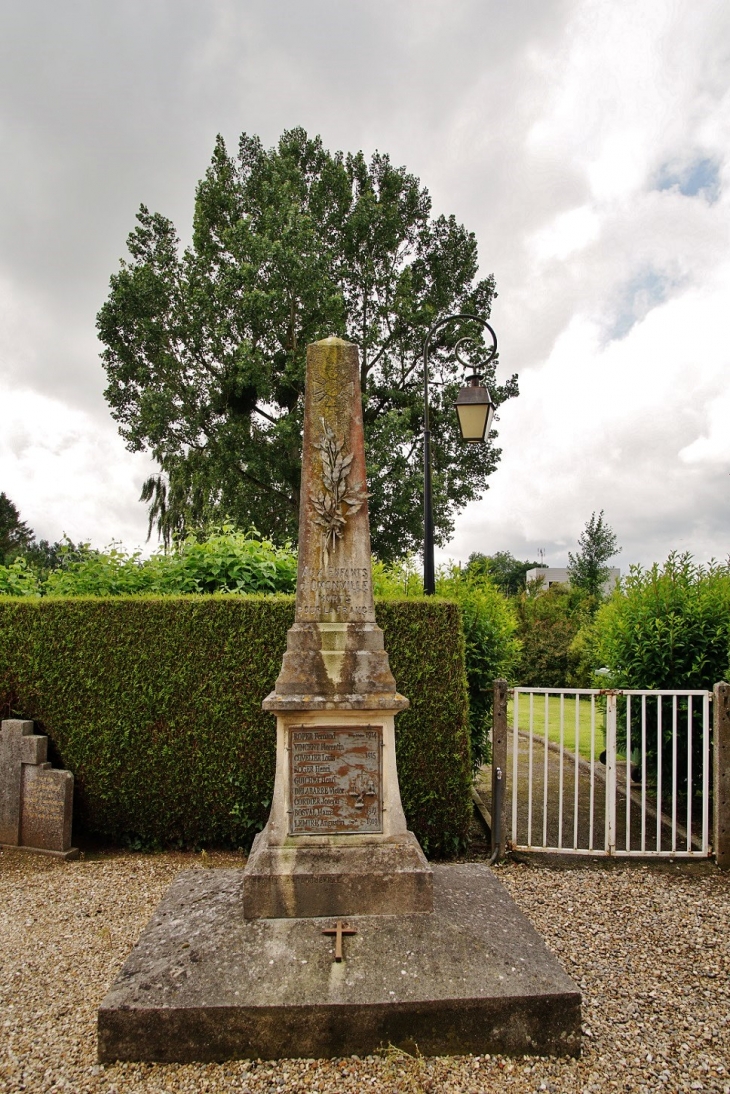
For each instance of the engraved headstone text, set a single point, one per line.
(336, 779)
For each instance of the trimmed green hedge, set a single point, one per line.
(155, 705)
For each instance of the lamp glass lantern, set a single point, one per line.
(475, 411)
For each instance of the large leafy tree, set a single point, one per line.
(205, 347)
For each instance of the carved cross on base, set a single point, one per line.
(338, 931)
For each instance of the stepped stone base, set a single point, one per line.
(380, 877)
(204, 983)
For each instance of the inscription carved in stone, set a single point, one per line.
(336, 779)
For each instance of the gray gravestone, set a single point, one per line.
(36, 800)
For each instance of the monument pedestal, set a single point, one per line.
(336, 842)
(205, 982)
(382, 877)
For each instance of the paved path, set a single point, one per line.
(584, 826)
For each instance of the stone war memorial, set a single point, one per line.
(36, 800)
(338, 937)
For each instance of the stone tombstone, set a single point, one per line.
(336, 842)
(36, 800)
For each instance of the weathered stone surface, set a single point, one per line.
(17, 744)
(204, 983)
(320, 851)
(36, 800)
(335, 649)
(384, 871)
(381, 877)
(47, 808)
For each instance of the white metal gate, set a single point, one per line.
(612, 772)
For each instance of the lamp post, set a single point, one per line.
(475, 411)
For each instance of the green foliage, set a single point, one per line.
(425, 645)
(223, 561)
(587, 570)
(491, 645)
(549, 621)
(155, 705)
(507, 572)
(205, 349)
(489, 622)
(43, 556)
(666, 627)
(394, 580)
(18, 579)
(15, 535)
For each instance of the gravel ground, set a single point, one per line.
(648, 946)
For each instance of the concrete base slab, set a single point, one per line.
(369, 876)
(204, 983)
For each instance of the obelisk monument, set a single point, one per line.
(336, 842)
(205, 982)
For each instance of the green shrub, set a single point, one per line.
(491, 646)
(18, 579)
(155, 705)
(223, 561)
(549, 620)
(666, 627)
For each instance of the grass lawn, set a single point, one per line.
(553, 720)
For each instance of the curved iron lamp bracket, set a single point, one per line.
(429, 574)
(467, 340)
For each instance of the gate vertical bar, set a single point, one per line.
(611, 773)
(560, 786)
(592, 802)
(643, 773)
(721, 774)
(529, 772)
(627, 774)
(545, 758)
(515, 758)
(659, 750)
(576, 772)
(674, 772)
(499, 765)
(689, 773)
(705, 774)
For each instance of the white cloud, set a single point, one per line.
(625, 426)
(67, 474)
(569, 232)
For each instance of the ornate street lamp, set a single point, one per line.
(475, 410)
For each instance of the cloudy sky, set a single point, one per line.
(585, 142)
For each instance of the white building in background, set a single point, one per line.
(558, 575)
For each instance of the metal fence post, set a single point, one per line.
(499, 762)
(721, 774)
(610, 772)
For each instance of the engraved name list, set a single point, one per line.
(336, 779)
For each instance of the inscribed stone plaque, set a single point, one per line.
(46, 808)
(336, 779)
